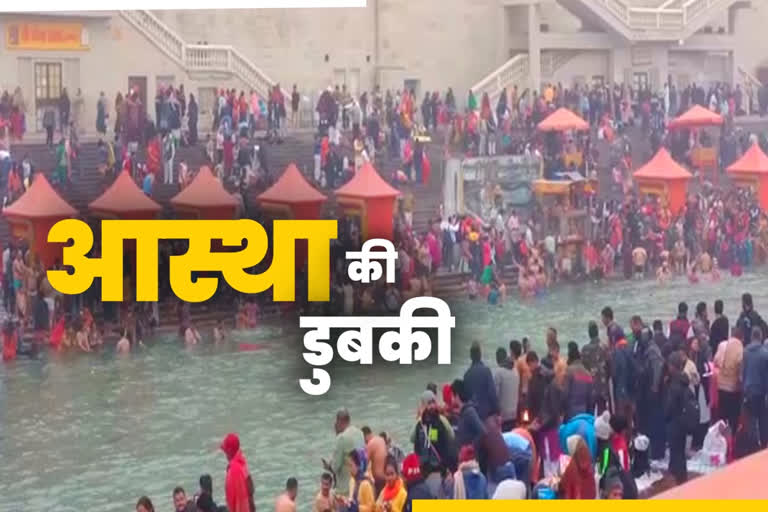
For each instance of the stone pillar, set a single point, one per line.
(660, 70)
(732, 71)
(620, 64)
(534, 46)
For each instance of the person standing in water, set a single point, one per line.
(286, 502)
(325, 500)
(124, 345)
(348, 438)
(144, 505)
(239, 485)
(376, 449)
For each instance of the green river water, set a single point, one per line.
(93, 433)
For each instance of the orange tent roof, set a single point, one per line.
(292, 188)
(40, 201)
(753, 161)
(662, 166)
(562, 120)
(697, 116)
(124, 196)
(205, 191)
(737, 481)
(367, 183)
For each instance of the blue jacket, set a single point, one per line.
(478, 380)
(755, 370)
(582, 425)
(475, 485)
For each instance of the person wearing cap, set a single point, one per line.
(469, 483)
(433, 438)
(415, 485)
(239, 485)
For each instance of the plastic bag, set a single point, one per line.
(715, 444)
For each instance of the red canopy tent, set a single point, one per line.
(292, 196)
(737, 481)
(123, 199)
(33, 215)
(751, 171)
(665, 178)
(562, 120)
(371, 198)
(205, 198)
(696, 116)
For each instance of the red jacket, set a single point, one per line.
(236, 487)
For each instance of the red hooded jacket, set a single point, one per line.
(239, 496)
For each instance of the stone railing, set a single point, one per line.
(197, 58)
(512, 72)
(669, 16)
(516, 71)
(751, 86)
(163, 37)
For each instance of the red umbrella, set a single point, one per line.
(563, 120)
(695, 117)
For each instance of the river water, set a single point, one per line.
(95, 433)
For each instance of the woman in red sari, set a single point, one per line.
(154, 162)
(17, 123)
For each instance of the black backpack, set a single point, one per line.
(691, 413)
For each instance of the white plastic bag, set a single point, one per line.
(715, 445)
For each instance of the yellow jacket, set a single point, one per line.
(365, 495)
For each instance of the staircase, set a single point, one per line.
(516, 72)
(649, 20)
(751, 85)
(199, 58)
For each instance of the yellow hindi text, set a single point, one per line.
(199, 257)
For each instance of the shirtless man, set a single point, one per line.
(639, 258)
(705, 263)
(219, 333)
(124, 345)
(376, 447)
(663, 274)
(191, 336)
(325, 501)
(679, 257)
(82, 339)
(286, 502)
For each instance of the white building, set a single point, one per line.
(422, 44)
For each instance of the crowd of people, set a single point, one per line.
(494, 433)
(587, 424)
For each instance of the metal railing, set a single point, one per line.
(196, 57)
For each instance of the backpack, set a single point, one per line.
(690, 411)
